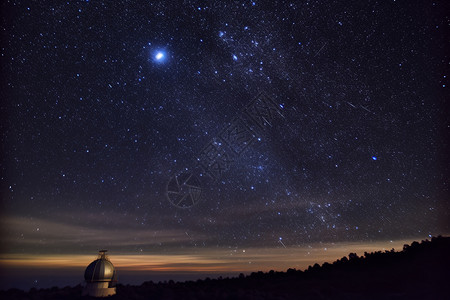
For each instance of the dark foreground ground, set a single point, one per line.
(420, 271)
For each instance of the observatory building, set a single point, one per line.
(100, 277)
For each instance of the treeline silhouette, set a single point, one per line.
(419, 271)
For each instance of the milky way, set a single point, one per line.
(104, 103)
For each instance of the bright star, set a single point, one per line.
(159, 56)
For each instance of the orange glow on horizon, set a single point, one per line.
(208, 260)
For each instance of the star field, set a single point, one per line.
(104, 102)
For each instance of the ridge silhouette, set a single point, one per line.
(419, 271)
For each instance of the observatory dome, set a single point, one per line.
(100, 277)
(100, 269)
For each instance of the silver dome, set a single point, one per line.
(100, 269)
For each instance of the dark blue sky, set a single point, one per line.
(96, 126)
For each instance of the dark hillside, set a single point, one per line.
(420, 271)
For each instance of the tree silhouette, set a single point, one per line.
(419, 271)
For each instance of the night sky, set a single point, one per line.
(151, 128)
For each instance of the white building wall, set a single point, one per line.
(98, 289)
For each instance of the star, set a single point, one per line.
(159, 56)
